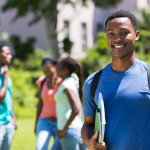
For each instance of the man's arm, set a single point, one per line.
(89, 137)
(4, 87)
(13, 115)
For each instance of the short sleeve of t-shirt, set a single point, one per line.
(6, 107)
(69, 84)
(89, 108)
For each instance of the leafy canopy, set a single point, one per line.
(46, 8)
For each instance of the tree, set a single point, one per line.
(144, 22)
(67, 45)
(46, 10)
(106, 3)
(143, 44)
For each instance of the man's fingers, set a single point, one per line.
(2, 73)
(103, 144)
(95, 136)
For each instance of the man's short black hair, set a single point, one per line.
(123, 13)
(4, 43)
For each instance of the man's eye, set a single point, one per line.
(124, 33)
(110, 34)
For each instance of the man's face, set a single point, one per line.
(121, 37)
(5, 55)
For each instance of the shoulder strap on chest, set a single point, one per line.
(42, 83)
(149, 76)
(97, 77)
(95, 83)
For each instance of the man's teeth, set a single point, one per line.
(118, 46)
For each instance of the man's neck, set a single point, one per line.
(121, 65)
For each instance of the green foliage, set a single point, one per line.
(143, 44)
(23, 90)
(24, 112)
(67, 45)
(39, 8)
(106, 3)
(22, 49)
(33, 62)
(97, 57)
(101, 44)
(144, 57)
(94, 62)
(144, 23)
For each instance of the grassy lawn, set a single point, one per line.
(24, 137)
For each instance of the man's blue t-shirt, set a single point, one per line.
(126, 98)
(6, 107)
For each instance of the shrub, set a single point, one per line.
(24, 90)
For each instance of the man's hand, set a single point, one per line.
(5, 72)
(12, 121)
(94, 145)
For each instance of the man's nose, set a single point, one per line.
(118, 37)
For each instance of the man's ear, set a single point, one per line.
(137, 35)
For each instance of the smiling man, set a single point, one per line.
(7, 117)
(125, 91)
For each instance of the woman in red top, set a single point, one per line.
(46, 119)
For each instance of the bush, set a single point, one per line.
(24, 90)
(22, 48)
(33, 63)
(101, 45)
(67, 45)
(24, 112)
(97, 57)
(143, 45)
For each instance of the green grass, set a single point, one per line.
(24, 137)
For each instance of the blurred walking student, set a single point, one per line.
(69, 104)
(7, 117)
(46, 119)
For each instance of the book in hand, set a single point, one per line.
(100, 119)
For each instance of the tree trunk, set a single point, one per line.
(51, 27)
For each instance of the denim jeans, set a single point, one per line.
(6, 136)
(72, 140)
(45, 129)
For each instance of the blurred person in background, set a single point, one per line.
(69, 104)
(7, 116)
(46, 119)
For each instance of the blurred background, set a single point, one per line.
(59, 28)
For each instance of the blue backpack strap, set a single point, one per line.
(149, 76)
(95, 83)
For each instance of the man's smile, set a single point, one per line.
(118, 46)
